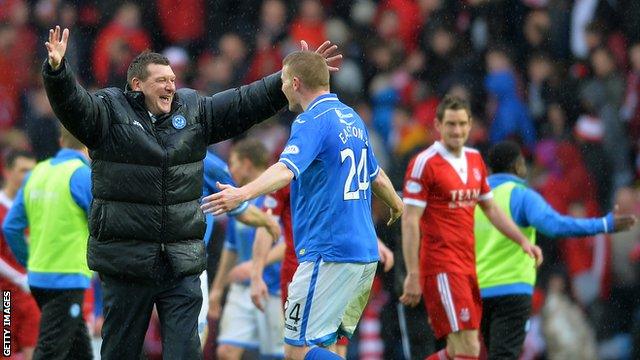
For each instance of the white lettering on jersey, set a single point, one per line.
(464, 198)
(291, 149)
(351, 131)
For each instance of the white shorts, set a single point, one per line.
(243, 325)
(325, 300)
(204, 309)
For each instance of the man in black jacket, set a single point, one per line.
(147, 144)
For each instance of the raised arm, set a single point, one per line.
(275, 177)
(507, 227)
(84, 115)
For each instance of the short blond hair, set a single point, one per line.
(311, 68)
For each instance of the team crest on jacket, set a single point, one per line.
(477, 174)
(464, 314)
(179, 122)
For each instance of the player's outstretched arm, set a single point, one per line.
(275, 177)
(83, 114)
(257, 218)
(410, 251)
(507, 227)
(383, 189)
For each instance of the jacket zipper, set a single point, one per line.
(163, 187)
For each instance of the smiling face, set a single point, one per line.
(158, 88)
(454, 128)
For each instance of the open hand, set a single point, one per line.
(326, 50)
(622, 222)
(56, 46)
(227, 199)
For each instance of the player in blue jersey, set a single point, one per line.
(216, 170)
(242, 325)
(332, 170)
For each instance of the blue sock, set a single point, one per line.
(318, 353)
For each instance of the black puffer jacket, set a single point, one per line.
(147, 178)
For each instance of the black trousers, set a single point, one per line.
(63, 331)
(127, 310)
(504, 321)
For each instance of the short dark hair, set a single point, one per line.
(254, 150)
(12, 156)
(451, 102)
(138, 67)
(503, 156)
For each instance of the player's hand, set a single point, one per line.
(622, 222)
(241, 272)
(227, 199)
(386, 256)
(259, 292)
(215, 307)
(56, 46)
(394, 215)
(412, 290)
(326, 50)
(534, 252)
(273, 227)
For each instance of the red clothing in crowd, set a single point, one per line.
(137, 41)
(179, 25)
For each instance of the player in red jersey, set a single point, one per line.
(442, 186)
(25, 315)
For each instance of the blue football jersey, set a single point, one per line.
(216, 170)
(240, 238)
(333, 165)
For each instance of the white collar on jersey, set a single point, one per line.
(322, 98)
(458, 163)
(4, 200)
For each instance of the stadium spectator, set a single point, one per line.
(54, 204)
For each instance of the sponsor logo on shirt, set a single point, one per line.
(291, 149)
(413, 187)
(342, 117)
(464, 198)
(300, 121)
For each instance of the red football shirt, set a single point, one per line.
(5, 252)
(448, 187)
(280, 204)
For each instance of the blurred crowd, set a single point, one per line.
(562, 77)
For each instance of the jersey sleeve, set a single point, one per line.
(415, 189)
(304, 144)
(485, 189)
(372, 162)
